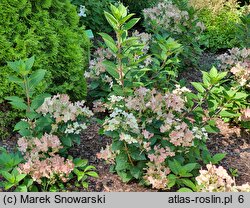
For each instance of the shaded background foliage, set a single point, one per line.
(49, 30)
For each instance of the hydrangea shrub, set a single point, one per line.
(150, 138)
(180, 22)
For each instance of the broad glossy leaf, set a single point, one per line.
(109, 42)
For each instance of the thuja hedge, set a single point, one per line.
(47, 29)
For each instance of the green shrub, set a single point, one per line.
(219, 17)
(243, 35)
(177, 19)
(48, 30)
(92, 14)
(139, 5)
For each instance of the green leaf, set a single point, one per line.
(36, 77)
(174, 166)
(92, 174)
(126, 177)
(80, 174)
(111, 20)
(135, 172)
(34, 189)
(117, 145)
(78, 162)
(111, 69)
(17, 102)
(109, 42)
(188, 183)
(9, 177)
(20, 177)
(67, 141)
(8, 185)
(21, 125)
(229, 114)
(213, 72)
(137, 155)
(21, 188)
(184, 190)
(16, 80)
(240, 95)
(131, 23)
(25, 132)
(211, 129)
(124, 19)
(198, 86)
(14, 66)
(29, 63)
(121, 162)
(39, 100)
(218, 157)
(222, 75)
(171, 180)
(90, 167)
(190, 166)
(85, 184)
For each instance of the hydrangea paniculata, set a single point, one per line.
(216, 179)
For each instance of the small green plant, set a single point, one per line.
(42, 167)
(219, 17)
(128, 62)
(91, 14)
(222, 99)
(243, 34)
(179, 21)
(234, 172)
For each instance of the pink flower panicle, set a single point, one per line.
(156, 175)
(216, 179)
(62, 110)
